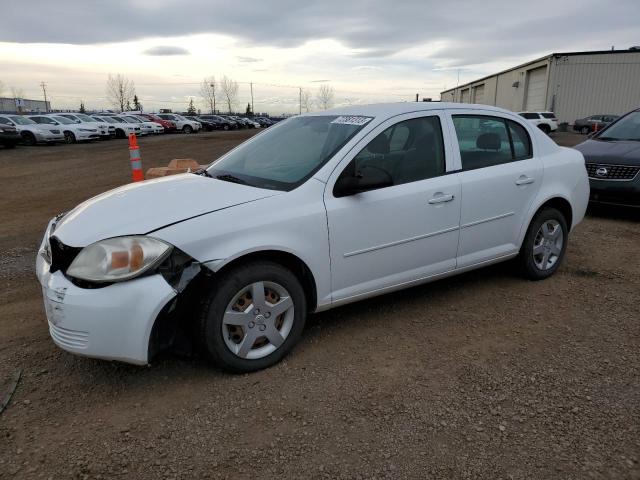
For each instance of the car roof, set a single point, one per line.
(392, 109)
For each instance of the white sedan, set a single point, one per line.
(72, 131)
(320, 210)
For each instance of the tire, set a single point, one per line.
(28, 138)
(585, 130)
(547, 234)
(252, 350)
(226, 127)
(69, 137)
(120, 133)
(545, 128)
(187, 129)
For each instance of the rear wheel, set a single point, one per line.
(226, 127)
(544, 245)
(545, 128)
(253, 317)
(585, 130)
(187, 129)
(28, 138)
(69, 137)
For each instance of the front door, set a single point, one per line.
(403, 233)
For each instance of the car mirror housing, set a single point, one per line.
(366, 178)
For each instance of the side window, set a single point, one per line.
(5, 121)
(409, 151)
(520, 141)
(530, 116)
(483, 141)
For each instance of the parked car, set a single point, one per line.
(72, 131)
(155, 127)
(206, 125)
(103, 128)
(9, 136)
(612, 159)
(122, 129)
(589, 124)
(232, 123)
(264, 121)
(182, 124)
(30, 132)
(545, 121)
(234, 256)
(219, 122)
(168, 125)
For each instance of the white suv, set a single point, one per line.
(72, 131)
(31, 132)
(545, 121)
(320, 210)
(183, 124)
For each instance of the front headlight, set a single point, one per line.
(118, 259)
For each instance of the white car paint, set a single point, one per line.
(42, 133)
(81, 133)
(541, 118)
(81, 118)
(181, 122)
(156, 128)
(355, 246)
(120, 128)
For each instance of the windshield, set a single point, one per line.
(84, 118)
(285, 156)
(131, 120)
(64, 120)
(627, 128)
(45, 121)
(22, 120)
(106, 119)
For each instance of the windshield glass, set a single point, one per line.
(64, 120)
(285, 156)
(22, 120)
(131, 120)
(84, 118)
(106, 119)
(628, 128)
(45, 121)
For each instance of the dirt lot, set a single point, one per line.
(480, 376)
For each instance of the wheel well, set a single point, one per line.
(563, 206)
(289, 261)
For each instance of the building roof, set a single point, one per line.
(551, 55)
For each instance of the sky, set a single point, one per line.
(367, 50)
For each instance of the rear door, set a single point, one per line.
(499, 179)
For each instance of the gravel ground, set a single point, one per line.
(483, 375)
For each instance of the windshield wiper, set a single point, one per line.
(203, 172)
(231, 178)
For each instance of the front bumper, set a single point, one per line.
(50, 137)
(110, 323)
(618, 192)
(82, 136)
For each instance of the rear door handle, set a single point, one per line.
(524, 180)
(441, 198)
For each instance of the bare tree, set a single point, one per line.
(120, 91)
(325, 96)
(209, 91)
(305, 100)
(229, 90)
(17, 92)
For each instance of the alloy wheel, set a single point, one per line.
(547, 245)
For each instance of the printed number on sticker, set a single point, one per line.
(352, 120)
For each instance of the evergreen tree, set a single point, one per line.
(249, 113)
(82, 110)
(192, 109)
(136, 104)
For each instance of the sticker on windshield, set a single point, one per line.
(352, 120)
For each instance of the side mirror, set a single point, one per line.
(366, 178)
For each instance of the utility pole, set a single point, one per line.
(44, 91)
(300, 98)
(253, 112)
(417, 94)
(213, 90)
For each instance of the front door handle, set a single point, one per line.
(524, 180)
(440, 198)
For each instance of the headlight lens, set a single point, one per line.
(118, 259)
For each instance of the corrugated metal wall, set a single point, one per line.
(8, 105)
(583, 85)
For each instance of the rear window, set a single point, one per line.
(530, 115)
(548, 115)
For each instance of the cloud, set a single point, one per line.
(320, 81)
(165, 51)
(249, 59)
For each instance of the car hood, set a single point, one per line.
(141, 208)
(610, 152)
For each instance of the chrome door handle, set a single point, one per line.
(523, 180)
(441, 198)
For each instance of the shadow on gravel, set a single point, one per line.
(614, 212)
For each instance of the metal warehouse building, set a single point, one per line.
(16, 105)
(572, 85)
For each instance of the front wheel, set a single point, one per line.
(585, 130)
(28, 138)
(187, 129)
(544, 245)
(69, 137)
(252, 317)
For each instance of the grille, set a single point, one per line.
(612, 172)
(69, 338)
(61, 255)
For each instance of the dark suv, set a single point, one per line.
(9, 136)
(589, 124)
(612, 159)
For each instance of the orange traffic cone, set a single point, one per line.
(136, 162)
